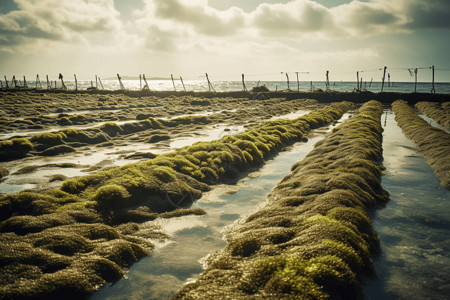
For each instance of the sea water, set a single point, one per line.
(225, 86)
(414, 227)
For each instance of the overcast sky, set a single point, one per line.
(225, 38)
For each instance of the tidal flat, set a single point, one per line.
(87, 180)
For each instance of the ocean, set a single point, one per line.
(224, 86)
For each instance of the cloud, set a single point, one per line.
(296, 17)
(305, 18)
(427, 14)
(197, 15)
(55, 20)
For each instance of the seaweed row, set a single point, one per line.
(440, 114)
(313, 239)
(66, 140)
(175, 179)
(433, 143)
(58, 243)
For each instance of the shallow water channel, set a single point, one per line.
(414, 227)
(179, 260)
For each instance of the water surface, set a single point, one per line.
(414, 227)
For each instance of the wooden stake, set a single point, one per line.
(96, 82)
(357, 81)
(173, 82)
(243, 83)
(389, 79)
(298, 83)
(122, 87)
(6, 82)
(140, 82)
(101, 84)
(327, 83)
(384, 77)
(210, 86)
(370, 84)
(25, 85)
(287, 79)
(432, 88)
(181, 78)
(76, 82)
(38, 81)
(360, 84)
(49, 87)
(415, 80)
(63, 86)
(146, 87)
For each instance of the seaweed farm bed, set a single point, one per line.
(115, 195)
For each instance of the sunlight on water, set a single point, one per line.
(414, 227)
(224, 86)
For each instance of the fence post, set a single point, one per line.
(243, 83)
(173, 83)
(415, 80)
(432, 89)
(210, 86)
(384, 77)
(357, 80)
(298, 83)
(76, 82)
(327, 83)
(287, 79)
(146, 86)
(181, 78)
(122, 87)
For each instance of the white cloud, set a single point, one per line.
(296, 17)
(176, 33)
(56, 20)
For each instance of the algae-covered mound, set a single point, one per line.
(313, 239)
(433, 143)
(174, 180)
(71, 240)
(63, 255)
(441, 114)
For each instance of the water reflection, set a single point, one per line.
(413, 228)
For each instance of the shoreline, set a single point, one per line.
(321, 96)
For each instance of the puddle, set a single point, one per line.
(218, 131)
(413, 228)
(433, 123)
(169, 267)
(292, 115)
(111, 156)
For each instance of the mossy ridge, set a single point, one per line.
(314, 238)
(15, 148)
(440, 114)
(61, 222)
(433, 143)
(205, 162)
(70, 260)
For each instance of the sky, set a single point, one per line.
(226, 38)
